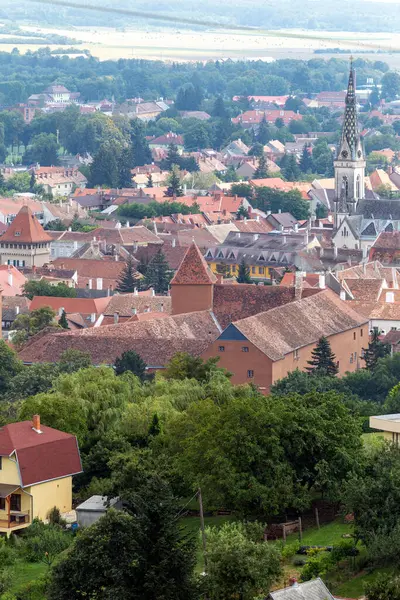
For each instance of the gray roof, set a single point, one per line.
(381, 208)
(310, 590)
(97, 503)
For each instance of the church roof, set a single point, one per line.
(379, 209)
(193, 269)
(350, 131)
(26, 229)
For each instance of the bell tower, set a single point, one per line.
(350, 162)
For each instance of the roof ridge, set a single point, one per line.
(193, 269)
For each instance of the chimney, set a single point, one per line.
(293, 582)
(255, 237)
(342, 294)
(321, 282)
(152, 292)
(60, 311)
(116, 258)
(334, 251)
(36, 423)
(296, 228)
(134, 311)
(116, 317)
(135, 291)
(173, 242)
(17, 310)
(93, 317)
(162, 307)
(390, 297)
(69, 228)
(10, 278)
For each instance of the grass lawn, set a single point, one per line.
(328, 535)
(354, 588)
(24, 572)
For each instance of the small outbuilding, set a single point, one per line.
(94, 508)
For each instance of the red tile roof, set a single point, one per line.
(25, 228)
(193, 269)
(41, 456)
(71, 305)
(234, 302)
(11, 281)
(155, 340)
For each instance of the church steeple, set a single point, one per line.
(350, 162)
(350, 140)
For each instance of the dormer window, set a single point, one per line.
(209, 254)
(220, 254)
(261, 257)
(17, 233)
(232, 255)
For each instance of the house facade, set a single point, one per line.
(25, 243)
(36, 468)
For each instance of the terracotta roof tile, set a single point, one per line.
(155, 340)
(234, 302)
(71, 305)
(281, 330)
(125, 304)
(25, 228)
(193, 269)
(366, 290)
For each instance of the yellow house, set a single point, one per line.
(389, 425)
(36, 468)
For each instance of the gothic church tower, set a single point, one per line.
(350, 163)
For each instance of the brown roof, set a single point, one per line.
(124, 304)
(282, 330)
(234, 302)
(41, 456)
(254, 226)
(366, 290)
(71, 305)
(155, 340)
(193, 269)
(173, 254)
(109, 271)
(387, 240)
(25, 228)
(387, 311)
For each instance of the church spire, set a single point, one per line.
(350, 132)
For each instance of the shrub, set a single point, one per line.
(7, 553)
(44, 542)
(5, 580)
(55, 518)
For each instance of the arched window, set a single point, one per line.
(358, 187)
(345, 186)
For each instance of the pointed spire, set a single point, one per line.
(193, 269)
(350, 133)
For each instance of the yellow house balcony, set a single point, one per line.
(15, 508)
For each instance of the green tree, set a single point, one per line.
(62, 321)
(219, 109)
(242, 212)
(129, 279)
(149, 181)
(197, 136)
(29, 325)
(240, 564)
(43, 150)
(306, 162)
(189, 97)
(262, 171)
(72, 360)
(141, 150)
(43, 288)
(125, 165)
(274, 200)
(173, 157)
(264, 134)
(43, 543)
(244, 190)
(323, 360)
(390, 85)
(10, 366)
(376, 350)
(321, 211)
(185, 366)
(292, 172)
(158, 273)
(384, 587)
(322, 158)
(35, 379)
(174, 183)
(130, 361)
(105, 167)
(244, 273)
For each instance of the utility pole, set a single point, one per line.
(203, 533)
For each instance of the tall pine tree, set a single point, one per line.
(129, 279)
(243, 273)
(149, 181)
(376, 350)
(262, 171)
(174, 183)
(62, 321)
(264, 132)
(323, 360)
(306, 163)
(158, 274)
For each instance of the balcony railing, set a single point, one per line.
(16, 519)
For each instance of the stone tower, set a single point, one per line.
(350, 162)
